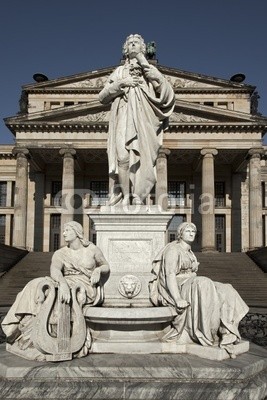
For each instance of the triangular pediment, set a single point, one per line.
(91, 111)
(180, 80)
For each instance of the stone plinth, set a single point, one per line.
(141, 330)
(150, 377)
(130, 237)
(132, 330)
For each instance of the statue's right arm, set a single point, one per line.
(116, 87)
(111, 89)
(56, 268)
(110, 92)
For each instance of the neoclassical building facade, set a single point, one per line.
(211, 168)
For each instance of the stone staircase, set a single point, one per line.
(239, 270)
(10, 256)
(235, 268)
(33, 265)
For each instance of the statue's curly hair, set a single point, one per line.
(78, 229)
(125, 46)
(182, 227)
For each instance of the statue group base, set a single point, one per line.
(135, 376)
(130, 238)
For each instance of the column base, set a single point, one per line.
(209, 250)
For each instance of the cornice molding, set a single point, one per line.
(102, 127)
(7, 156)
(93, 90)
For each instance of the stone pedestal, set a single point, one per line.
(130, 237)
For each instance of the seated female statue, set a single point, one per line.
(76, 270)
(208, 312)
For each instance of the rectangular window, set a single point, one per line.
(264, 230)
(99, 193)
(223, 104)
(56, 195)
(172, 237)
(55, 231)
(220, 232)
(68, 103)
(176, 194)
(219, 194)
(2, 229)
(93, 234)
(3, 194)
(55, 221)
(176, 220)
(94, 238)
(54, 104)
(13, 193)
(208, 103)
(263, 194)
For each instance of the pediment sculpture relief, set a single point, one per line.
(180, 117)
(96, 117)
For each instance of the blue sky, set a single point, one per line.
(64, 37)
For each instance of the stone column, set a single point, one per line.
(67, 187)
(162, 179)
(39, 179)
(21, 197)
(255, 198)
(207, 200)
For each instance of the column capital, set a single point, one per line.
(21, 152)
(163, 152)
(67, 152)
(256, 152)
(209, 151)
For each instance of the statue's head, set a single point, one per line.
(78, 229)
(136, 41)
(182, 227)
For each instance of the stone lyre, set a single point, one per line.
(71, 328)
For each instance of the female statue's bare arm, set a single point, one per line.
(102, 266)
(56, 273)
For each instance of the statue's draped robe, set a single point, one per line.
(137, 120)
(77, 267)
(215, 308)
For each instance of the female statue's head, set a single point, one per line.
(78, 230)
(135, 41)
(182, 227)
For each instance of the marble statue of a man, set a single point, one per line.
(142, 100)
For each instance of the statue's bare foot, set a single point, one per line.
(137, 201)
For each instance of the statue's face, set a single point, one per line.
(69, 234)
(134, 46)
(188, 234)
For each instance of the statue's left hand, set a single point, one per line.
(95, 277)
(152, 74)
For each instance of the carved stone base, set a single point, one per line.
(128, 330)
(141, 331)
(154, 376)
